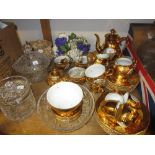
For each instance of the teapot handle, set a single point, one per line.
(123, 39)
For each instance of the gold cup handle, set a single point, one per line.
(133, 66)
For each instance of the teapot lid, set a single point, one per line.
(112, 35)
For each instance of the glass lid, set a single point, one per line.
(31, 62)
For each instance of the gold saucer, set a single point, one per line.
(110, 131)
(128, 85)
(67, 124)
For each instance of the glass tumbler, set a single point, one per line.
(16, 98)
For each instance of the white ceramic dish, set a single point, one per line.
(95, 70)
(64, 95)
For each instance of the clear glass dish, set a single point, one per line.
(16, 98)
(32, 65)
(66, 124)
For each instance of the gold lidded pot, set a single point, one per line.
(111, 45)
(54, 77)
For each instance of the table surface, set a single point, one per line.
(34, 125)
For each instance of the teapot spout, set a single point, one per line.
(99, 47)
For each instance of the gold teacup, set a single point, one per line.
(95, 77)
(112, 101)
(102, 59)
(62, 62)
(122, 70)
(77, 75)
(124, 66)
(65, 99)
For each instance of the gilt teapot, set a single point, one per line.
(112, 41)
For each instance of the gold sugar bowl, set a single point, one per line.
(54, 77)
(122, 114)
(124, 76)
